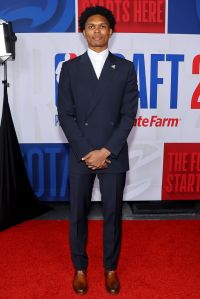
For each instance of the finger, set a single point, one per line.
(103, 166)
(108, 161)
(87, 162)
(92, 167)
(86, 157)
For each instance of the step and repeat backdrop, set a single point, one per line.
(162, 39)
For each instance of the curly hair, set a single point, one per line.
(96, 10)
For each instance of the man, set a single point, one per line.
(98, 98)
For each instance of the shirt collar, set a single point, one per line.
(103, 54)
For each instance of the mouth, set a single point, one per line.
(97, 38)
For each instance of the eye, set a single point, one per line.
(90, 26)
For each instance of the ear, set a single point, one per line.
(111, 32)
(83, 32)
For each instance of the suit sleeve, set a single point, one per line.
(127, 115)
(67, 116)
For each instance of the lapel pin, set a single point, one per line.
(113, 66)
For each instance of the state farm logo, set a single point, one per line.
(155, 121)
(133, 15)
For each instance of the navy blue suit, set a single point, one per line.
(96, 113)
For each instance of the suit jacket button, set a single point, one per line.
(86, 124)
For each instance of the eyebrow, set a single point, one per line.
(97, 23)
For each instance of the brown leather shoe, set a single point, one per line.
(80, 284)
(112, 283)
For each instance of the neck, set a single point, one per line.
(98, 49)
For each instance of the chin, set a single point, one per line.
(98, 45)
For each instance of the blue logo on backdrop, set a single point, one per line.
(47, 168)
(184, 16)
(39, 15)
(59, 59)
(148, 94)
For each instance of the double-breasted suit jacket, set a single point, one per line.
(96, 113)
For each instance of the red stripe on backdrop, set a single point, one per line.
(133, 15)
(181, 171)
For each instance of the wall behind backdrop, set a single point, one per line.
(162, 39)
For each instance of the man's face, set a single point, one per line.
(97, 32)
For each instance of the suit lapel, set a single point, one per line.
(86, 75)
(101, 86)
(96, 87)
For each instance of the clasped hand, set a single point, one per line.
(97, 159)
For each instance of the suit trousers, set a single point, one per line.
(111, 188)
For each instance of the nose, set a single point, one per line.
(97, 29)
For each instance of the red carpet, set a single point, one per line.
(159, 259)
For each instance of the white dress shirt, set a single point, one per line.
(98, 60)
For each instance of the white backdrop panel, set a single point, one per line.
(32, 98)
